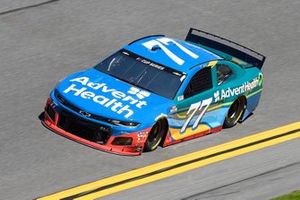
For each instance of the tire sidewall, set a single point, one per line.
(152, 145)
(229, 121)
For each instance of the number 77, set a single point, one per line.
(196, 108)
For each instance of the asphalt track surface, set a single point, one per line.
(42, 43)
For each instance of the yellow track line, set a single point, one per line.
(178, 165)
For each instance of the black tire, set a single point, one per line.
(234, 113)
(156, 135)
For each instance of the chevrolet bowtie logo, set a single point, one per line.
(86, 114)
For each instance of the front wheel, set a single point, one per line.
(234, 113)
(155, 136)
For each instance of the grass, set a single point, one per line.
(291, 196)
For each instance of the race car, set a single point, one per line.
(157, 91)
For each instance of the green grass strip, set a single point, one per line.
(291, 196)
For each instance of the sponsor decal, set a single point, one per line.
(121, 103)
(260, 79)
(142, 135)
(245, 87)
(180, 98)
(86, 114)
(139, 93)
(208, 64)
(147, 62)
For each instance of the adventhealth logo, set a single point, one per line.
(229, 92)
(139, 93)
(116, 104)
(217, 96)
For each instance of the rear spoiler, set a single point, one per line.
(226, 46)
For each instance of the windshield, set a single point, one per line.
(142, 73)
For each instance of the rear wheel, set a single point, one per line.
(234, 113)
(156, 135)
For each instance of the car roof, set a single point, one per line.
(189, 54)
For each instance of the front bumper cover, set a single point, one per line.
(51, 121)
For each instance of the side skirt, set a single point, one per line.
(168, 141)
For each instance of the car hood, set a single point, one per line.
(100, 94)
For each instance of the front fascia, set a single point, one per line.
(117, 130)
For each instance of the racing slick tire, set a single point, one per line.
(235, 112)
(156, 135)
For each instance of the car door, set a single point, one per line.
(194, 99)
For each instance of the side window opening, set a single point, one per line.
(200, 82)
(223, 73)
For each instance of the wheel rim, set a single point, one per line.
(235, 111)
(155, 136)
(155, 132)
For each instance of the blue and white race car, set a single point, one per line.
(157, 91)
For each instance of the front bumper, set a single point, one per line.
(53, 120)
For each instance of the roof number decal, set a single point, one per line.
(163, 42)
